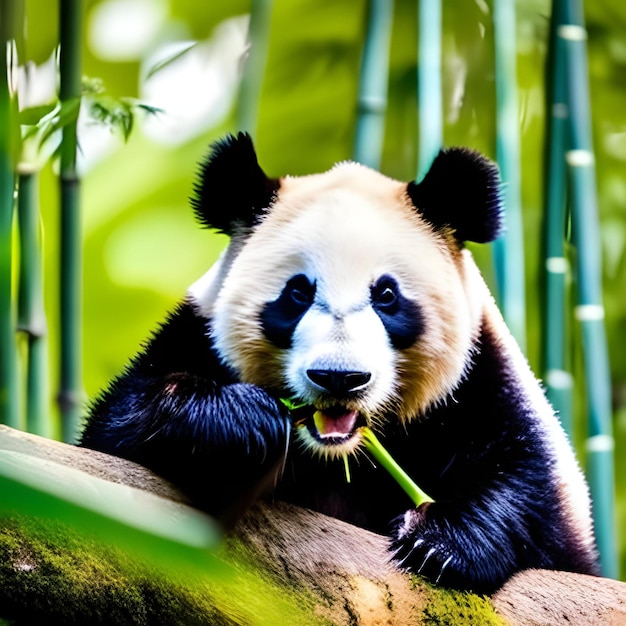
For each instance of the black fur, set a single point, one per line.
(232, 192)
(400, 316)
(483, 459)
(461, 191)
(178, 411)
(280, 317)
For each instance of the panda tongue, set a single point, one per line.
(334, 424)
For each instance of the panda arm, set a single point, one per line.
(490, 464)
(180, 412)
(476, 540)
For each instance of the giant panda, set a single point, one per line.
(353, 296)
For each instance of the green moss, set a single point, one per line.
(447, 607)
(51, 574)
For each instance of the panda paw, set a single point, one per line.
(254, 425)
(427, 544)
(417, 548)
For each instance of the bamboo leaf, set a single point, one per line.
(118, 114)
(149, 109)
(32, 116)
(62, 115)
(169, 60)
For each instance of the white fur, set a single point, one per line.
(354, 340)
(204, 291)
(344, 229)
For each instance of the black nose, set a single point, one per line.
(338, 383)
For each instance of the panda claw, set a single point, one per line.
(428, 555)
(443, 568)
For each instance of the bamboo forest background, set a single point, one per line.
(324, 80)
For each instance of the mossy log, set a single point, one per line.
(282, 565)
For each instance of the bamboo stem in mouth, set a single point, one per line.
(387, 461)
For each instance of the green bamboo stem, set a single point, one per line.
(375, 448)
(429, 89)
(509, 249)
(558, 380)
(9, 396)
(590, 311)
(372, 103)
(70, 390)
(31, 318)
(254, 69)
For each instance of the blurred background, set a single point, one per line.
(187, 74)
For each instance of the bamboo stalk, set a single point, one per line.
(590, 311)
(558, 379)
(70, 389)
(509, 249)
(9, 397)
(429, 90)
(31, 316)
(254, 67)
(372, 103)
(380, 454)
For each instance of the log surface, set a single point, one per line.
(345, 570)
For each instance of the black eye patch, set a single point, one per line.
(280, 317)
(400, 316)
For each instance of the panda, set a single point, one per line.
(353, 296)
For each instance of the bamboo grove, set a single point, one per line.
(570, 225)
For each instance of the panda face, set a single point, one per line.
(345, 301)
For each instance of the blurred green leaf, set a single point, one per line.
(118, 114)
(33, 115)
(169, 60)
(60, 115)
(99, 499)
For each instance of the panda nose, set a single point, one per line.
(338, 383)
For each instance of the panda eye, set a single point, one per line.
(384, 293)
(401, 317)
(386, 297)
(300, 291)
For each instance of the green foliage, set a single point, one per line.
(117, 114)
(52, 574)
(53, 118)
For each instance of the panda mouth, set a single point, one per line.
(331, 425)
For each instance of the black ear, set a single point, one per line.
(232, 191)
(461, 191)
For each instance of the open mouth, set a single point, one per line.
(330, 426)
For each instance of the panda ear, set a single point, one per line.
(461, 190)
(232, 191)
